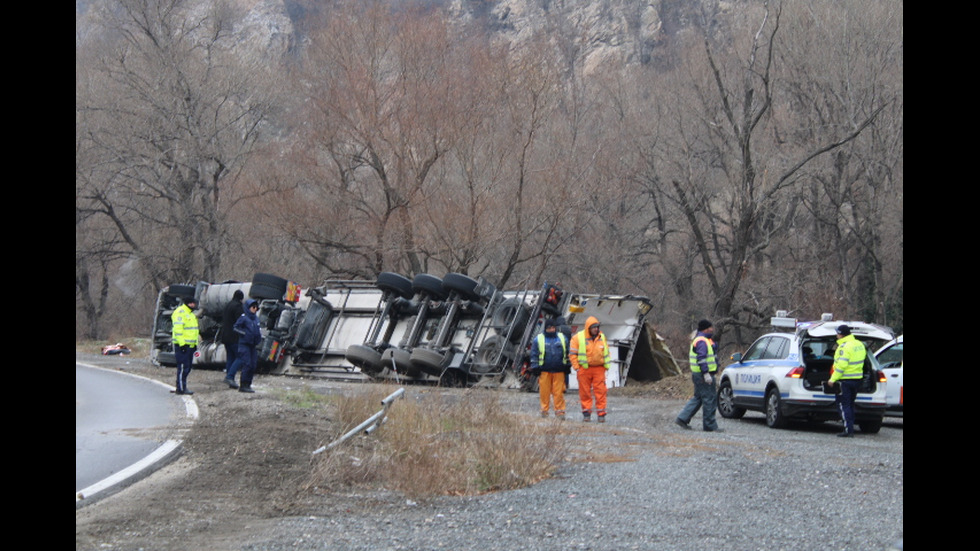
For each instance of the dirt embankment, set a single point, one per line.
(246, 460)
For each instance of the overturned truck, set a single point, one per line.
(452, 330)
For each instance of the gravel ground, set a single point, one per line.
(639, 482)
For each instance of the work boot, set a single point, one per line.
(846, 434)
(586, 417)
(544, 414)
(230, 383)
(246, 389)
(187, 392)
(682, 424)
(602, 419)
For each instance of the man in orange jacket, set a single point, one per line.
(589, 354)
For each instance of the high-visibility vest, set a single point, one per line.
(712, 361)
(184, 326)
(564, 347)
(583, 357)
(849, 359)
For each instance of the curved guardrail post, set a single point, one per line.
(369, 425)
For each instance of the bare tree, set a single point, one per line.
(720, 166)
(171, 119)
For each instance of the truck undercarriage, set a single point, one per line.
(454, 330)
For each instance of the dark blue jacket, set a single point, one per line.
(555, 353)
(247, 327)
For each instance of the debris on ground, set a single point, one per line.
(114, 349)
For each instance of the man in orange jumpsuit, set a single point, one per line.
(589, 354)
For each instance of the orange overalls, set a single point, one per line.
(590, 359)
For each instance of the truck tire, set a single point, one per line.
(491, 354)
(512, 312)
(395, 284)
(365, 357)
(429, 361)
(462, 285)
(429, 285)
(267, 286)
(399, 361)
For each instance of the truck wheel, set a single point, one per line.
(512, 312)
(430, 285)
(396, 284)
(429, 361)
(461, 284)
(364, 357)
(260, 291)
(492, 351)
(400, 361)
(267, 286)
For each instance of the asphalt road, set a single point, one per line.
(124, 426)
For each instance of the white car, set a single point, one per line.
(782, 375)
(891, 358)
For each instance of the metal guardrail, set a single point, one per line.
(369, 425)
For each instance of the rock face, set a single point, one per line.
(591, 32)
(266, 27)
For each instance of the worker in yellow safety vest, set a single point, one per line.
(184, 336)
(848, 372)
(704, 364)
(549, 356)
(589, 354)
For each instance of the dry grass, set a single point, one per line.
(440, 445)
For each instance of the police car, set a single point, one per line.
(891, 356)
(782, 374)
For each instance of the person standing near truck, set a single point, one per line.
(184, 336)
(548, 358)
(249, 337)
(589, 354)
(229, 338)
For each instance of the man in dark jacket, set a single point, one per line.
(548, 358)
(249, 337)
(233, 310)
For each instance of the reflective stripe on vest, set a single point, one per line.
(849, 360)
(564, 347)
(583, 357)
(184, 326)
(710, 359)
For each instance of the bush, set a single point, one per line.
(440, 444)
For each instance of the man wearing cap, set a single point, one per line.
(589, 354)
(848, 372)
(703, 366)
(184, 335)
(549, 353)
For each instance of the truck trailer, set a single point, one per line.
(452, 330)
